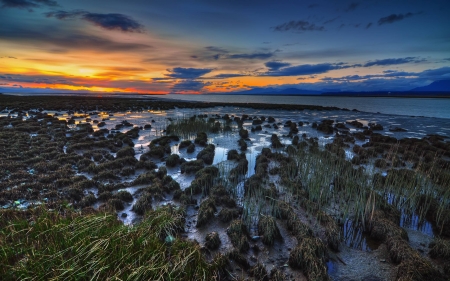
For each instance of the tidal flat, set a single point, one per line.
(148, 189)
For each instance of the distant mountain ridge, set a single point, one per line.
(436, 86)
(440, 87)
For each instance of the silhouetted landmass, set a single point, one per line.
(439, 88)
(390, 94)
(116, 104)
(436, 86)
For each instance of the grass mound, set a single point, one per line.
(207, 154)
(212, 240)
(268, 229)
(238, 235)
(97, 246)
(206, 212)
(259, 272)
(309, 256)
(143, 204)
(440, 249)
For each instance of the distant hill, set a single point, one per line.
(436, 86)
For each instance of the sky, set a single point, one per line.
(215, 46)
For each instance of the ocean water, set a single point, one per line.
(417, 107)
(428, 107)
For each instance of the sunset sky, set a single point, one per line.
(201, 46)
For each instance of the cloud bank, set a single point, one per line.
(27, 4)
(112, 21)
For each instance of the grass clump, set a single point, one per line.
(124, 196)
(238, 258)
(186, 127)
(115, 204)
(276, 143)
(124, 152)
(192, 166)
(268, 229)
(399, 249)
(184, 144)
(201, 139)
(81, 247)
(243, 133)
(204, 180)
(440, 248)
(206, 212)
(145, 163)
(190, 148)
(172, 160)
(88, 200)
(207, 154)
(227, 214)
(233, 155)
(242, 144)
(417, 270)
(212, 240)
(383, 228)
(309, 256)
(240, 170)
(164, 140)
(222, 197)
(143, 204)
(237, 231)
(259, 272)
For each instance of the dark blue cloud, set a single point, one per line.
(306, 69)
(189, 85)
(107, 21)
(393, 18)
(38, 79)
(62, 15)
(438, 73)
(260, 56)
(114, 22)
(393, 61)
(27, 4)
(352, 6)
(394, 73)
(429, 74)
(64, 42)
(275, 65)
(216, 49)
(216, 53)
(368, 25)
(228, 75)
(299, 25)
(187, 73)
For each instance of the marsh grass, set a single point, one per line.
(238, 233)
(98, 247)
(188, 127)
(268, 229)
(333, 181)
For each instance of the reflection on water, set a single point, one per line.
(331, 267)
(356, 238)
(415, 223)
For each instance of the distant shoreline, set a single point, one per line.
(339, 95)
(441, 95)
